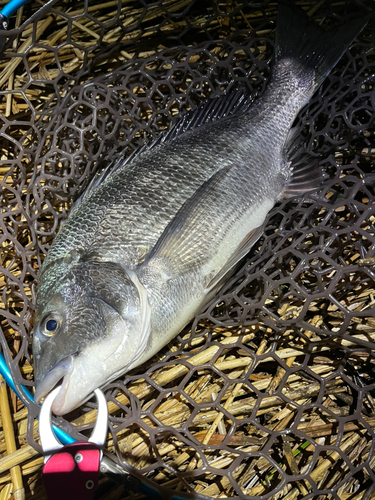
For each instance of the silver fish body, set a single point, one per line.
(148, 246)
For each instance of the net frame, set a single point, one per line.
(313, 251)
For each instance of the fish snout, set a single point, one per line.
(61, 371)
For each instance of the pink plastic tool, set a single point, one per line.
(72, 471)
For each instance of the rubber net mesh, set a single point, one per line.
(270, 391)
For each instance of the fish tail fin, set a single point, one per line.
(300, 39)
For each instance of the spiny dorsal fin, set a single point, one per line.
(101, 174)
(216, 108)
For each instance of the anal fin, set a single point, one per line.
(307, 173)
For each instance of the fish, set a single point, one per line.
(152, 239)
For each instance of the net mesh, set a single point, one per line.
(270, 391)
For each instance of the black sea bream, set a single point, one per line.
(153, 240)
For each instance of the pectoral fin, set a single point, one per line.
(184, 242)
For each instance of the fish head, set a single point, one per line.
(90, 326)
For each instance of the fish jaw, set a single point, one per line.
(81, 378)
(61, 371)
(78, 383)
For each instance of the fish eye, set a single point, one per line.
(51, 324)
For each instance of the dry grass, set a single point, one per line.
(230, 358)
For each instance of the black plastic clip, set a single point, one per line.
(4, 22)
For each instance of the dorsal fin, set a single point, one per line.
(216, 108)
(97, 179)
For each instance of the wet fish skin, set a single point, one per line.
(153, 242)
(67, 283)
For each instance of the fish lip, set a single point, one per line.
(60, 371)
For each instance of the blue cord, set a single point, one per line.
(12, 7)
(7, 11)
(147, 490)
(4, 370)
(63, 436)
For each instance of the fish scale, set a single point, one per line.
(145, 207)
(153, 239)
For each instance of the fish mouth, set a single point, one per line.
(62, 370)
